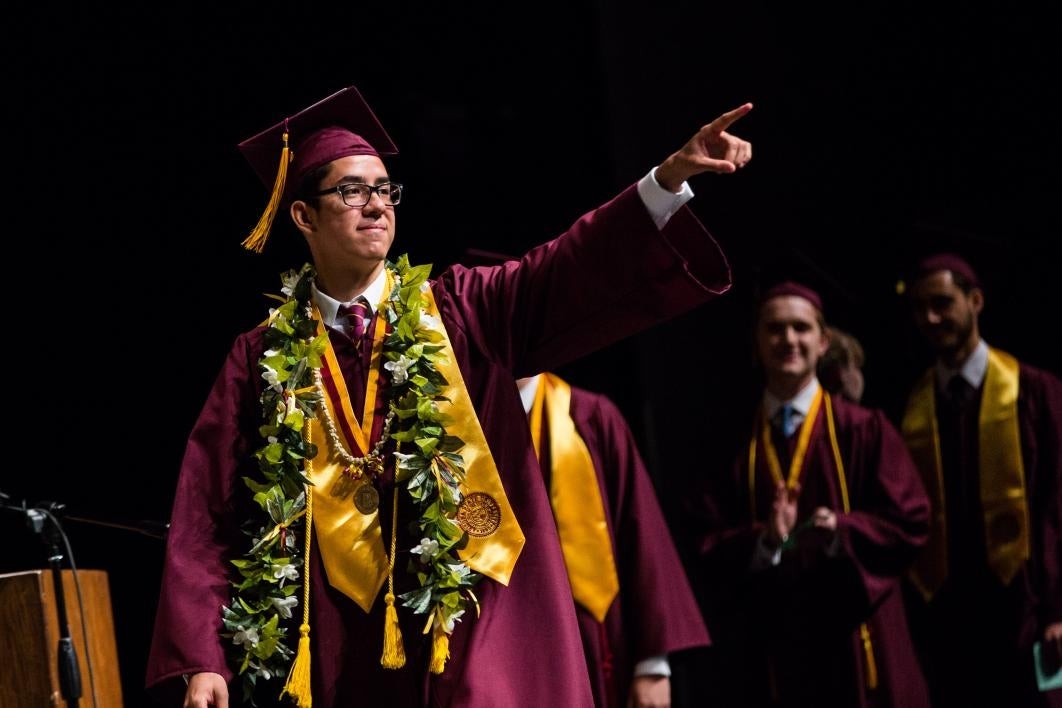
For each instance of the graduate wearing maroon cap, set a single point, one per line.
(986, 432)
(806, 536)
(433, 573)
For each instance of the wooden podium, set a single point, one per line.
(29, 640)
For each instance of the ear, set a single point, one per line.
(824, 341)
(302, 214)
(977, 300)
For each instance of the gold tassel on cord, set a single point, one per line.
(298, 684)
(394, 655)
(256, 241)
(868, 651)
(440, 648)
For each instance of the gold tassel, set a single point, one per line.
(256, 241)
(298, 684)
(440, 648)
(868, 650)
(394, 655)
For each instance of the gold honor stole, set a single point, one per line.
(350, 542)
(1000, 468)
(576, 499)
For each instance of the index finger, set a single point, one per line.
(724, 121)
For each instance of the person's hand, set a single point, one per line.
(712, 149)
(783, 514)
(652, 691)
(824, 518)
(1052, 644)
(206, 690)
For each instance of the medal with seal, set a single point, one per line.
(479, 514)
(366, 498)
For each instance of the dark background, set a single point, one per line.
(880, 133)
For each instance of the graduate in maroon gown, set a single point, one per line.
(807, 536)
(986, 432)
(633, 599)
(375, 408)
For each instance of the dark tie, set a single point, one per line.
(784, 420)
(960, 392)
(357, 315)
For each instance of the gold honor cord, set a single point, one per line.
(796, 465)
(576, 499)
(821, 400)
(1001, 470)
(864, 629)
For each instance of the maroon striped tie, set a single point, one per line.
(357, 314)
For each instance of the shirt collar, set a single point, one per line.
(973, 369)
(801, 402)
(528, 391)
(328, 306)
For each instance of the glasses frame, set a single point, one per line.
(373, 189)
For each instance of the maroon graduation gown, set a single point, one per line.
(655, 612)
(793, 630)
(612, 274)
(975, 634)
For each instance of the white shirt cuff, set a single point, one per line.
(653, 666)
(661, 203)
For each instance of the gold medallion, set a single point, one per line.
(479, 514)
(367, 499)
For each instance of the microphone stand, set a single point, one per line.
(69, 672)
(52, 534)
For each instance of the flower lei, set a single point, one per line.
(432, 471)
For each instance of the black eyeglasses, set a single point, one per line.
(357, 194)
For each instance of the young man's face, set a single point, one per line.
(358, 235)
(944, 314)
(789, 338)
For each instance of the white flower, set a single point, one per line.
(429, 322)
(248, 638)
(288, 281)
(399, 369)
(449, 620)
(283, 605)
(426, 548)
(459, 569)
(271, 378)
(285, 572)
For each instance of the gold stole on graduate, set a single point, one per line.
(576, 498)
(350, 542)
(1001, 471)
